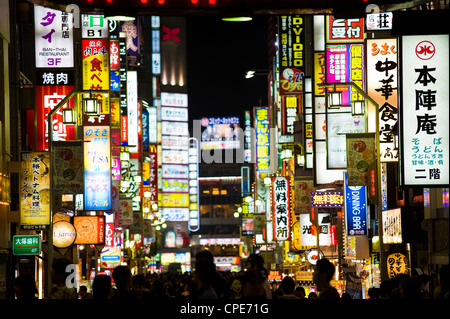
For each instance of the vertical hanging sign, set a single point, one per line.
(97, 168)
(53, 38)
(355, 209)
(382, 83)
(292, 41)
(425, 112)
(262, 138)
(281, 208)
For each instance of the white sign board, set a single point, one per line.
(53, 38)
(425, 113)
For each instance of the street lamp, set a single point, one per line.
(69, 116)
(91, 106)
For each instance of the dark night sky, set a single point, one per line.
(219, 54)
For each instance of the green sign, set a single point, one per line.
(26, 245)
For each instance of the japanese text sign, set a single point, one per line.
(90, 229)
(97, 168)
(26, 245)
(35, 190)
(327, 199)
(281, 208)
(382, 82)
(344, 30)
(292, 39)
(53, 38)
(425, 112)
(355, 209)
(262, 127)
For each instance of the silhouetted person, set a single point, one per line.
(253, 285)
(346, 296)
(25, 287)
(218, 283)
(323, 272)
(312, 295)
(60, 289)
(442, 291)
(83, 293)
(204, 274)
(424, 286)
(287, 287)
(123, 279)
(374, 293)
(300, 292)
(138, 290)
(102, 288)
(255, 262)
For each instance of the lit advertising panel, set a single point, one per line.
(94, 26)
(175, 214)
(175, 157)
(132, 109)
(174, 99)
(35, 190)
(345, 63)
(425, 112)
(220, 133)
(175, 200)
(355, 209)
(308, 236)
(337, 125)
(392, 226)
(174, 114)
(90, 230)
(361, 153)
(47, 98)
(319, 73)
(175, 171)
(175, 128)
(262, 134)
(379, 21)
(53, 38)
(281, 208)
(291, 39)
(382, 84)
(96, 69)
(344, 30)
(291, 106)
(97, 168)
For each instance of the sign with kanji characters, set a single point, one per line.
(379, 21)
(397, 264)
(262, 134)
(319, 73)
(35, 190)
(355, 209)
(94, 26)
(47, 98)
(327, 199)
(392, 226)
(308, 232)
(95, 53)
(344, 30)
(54, 77)
(97, 168)
(345, 63)
(26, 245)
(292, 39)
(175, 214)
(53, 38)
(425, 111)
(382, 86)
(290, 107)
(281, 208)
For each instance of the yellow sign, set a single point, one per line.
(35, 190)
(175, 199)
(327, 199)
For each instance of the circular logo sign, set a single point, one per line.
(425, 50)
(64, 234)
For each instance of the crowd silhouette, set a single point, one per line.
(206, 283)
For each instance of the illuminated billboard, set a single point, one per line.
(90, 230)
(281, 208)
(425, 112)
(53, 38)
(97, 168)
(220, 133)
(262, 134)
(35, 190)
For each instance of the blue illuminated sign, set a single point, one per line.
(355, 209)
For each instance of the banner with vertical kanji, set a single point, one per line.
(281, 208)
(425, 110)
